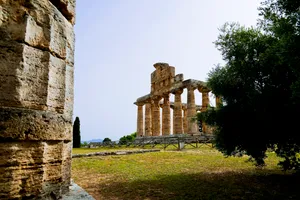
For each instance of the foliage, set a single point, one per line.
(209, 116)
(76, 133)
(260, 84)
(106, 140)
(127, 138)
(84, 144)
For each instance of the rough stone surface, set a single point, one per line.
(67, 8)
(184, 119)
(205, 104)
(36, 97)
(140, 122)
(162, 79)
(155, 112)
(177, 114)
(218, 101)
(166, 125)
(27, 124)
(148, 120)
(191, 111)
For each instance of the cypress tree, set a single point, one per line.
(76, 133)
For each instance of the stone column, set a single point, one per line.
(36, 98)
(166, 123)
(177, 113)
(184, 119)
(218, 101)
(191, 111)
(205, 104)
(148, 120)
(205, 100)
(140, 120)
(155, 116)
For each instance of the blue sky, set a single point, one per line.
(118, 41)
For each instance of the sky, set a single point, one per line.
(118, 41)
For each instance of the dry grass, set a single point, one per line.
(191, 174)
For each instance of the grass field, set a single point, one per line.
(201, 173)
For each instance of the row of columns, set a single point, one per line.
(181, 124)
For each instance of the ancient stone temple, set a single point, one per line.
(36, 97)
(164, 82)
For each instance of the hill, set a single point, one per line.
(93, 140)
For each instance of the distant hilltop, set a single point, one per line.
(93, 140)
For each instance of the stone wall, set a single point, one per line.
(36, 97)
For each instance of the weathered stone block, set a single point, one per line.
(10, 57)
(30, 166)
(16, 154)
(56, 29)
(67, 8)
(70, 48)
(58, 40)
(56, 87)
(12, 21)
(37, 35)
(10, 61)
(62, 39)
(19, 23)
(40, 81)
(22, 124)
(67, 161)
(162, 78)
(44, 27)
(67, 150)
(69, 92)
(52, 172)
(25, 76)
(66, 173)
(8, 95)
(37, 82)
(20, 181)
(33, 77)
(53, 151)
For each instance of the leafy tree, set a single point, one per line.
(106, 140)
(134, 135)
(84, 144)
(76, 133)
(127, 138)
(260, 84)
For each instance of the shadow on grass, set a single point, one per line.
(259, 184)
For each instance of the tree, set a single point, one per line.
(106, 140)
(84, 144)
(127, 138)
(260, 84)
(76, 133)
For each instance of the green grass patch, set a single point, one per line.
(201, 173)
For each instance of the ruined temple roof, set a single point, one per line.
(177, 86)
(164, 81)
(188, 83)
(162, 64)
(144, 99)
